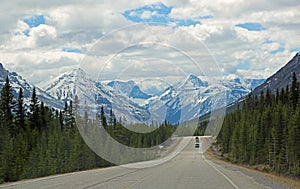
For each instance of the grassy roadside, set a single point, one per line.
(292, 182)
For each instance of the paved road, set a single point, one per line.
(189, 169)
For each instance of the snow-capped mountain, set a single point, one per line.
(193, 97)
(184, 101)
(129, 88)
(95, 94)
(137, 93)
(253, 83)
(18, 82)
(192, 82)
(123, 87)
(63, 87)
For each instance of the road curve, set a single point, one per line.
(186, 169)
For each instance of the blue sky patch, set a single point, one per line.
(268, 41)
(35, 21)
(244, 65)
(26, 32)
(280, 49)
(295, 50)
(154, 14)
(186, 22)
(251, 26)
(73, 50)
(32, 22)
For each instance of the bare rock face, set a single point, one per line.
(282, 77)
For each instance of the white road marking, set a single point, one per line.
(213, 166)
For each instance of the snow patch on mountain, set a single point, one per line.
(183, 101)
(18, 82)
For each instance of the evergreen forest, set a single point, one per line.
(264, 131)
(37, 141)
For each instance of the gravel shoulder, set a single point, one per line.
(266, 179)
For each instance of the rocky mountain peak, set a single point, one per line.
(18, 82)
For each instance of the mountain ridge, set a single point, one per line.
(18, 82)
(183, 101)
(191, 96)
(281, 78)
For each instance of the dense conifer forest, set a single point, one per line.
(37, 141)
(265, 131)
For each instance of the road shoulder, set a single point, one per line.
(261, 176)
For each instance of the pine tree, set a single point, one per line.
(20, 111)
(103, 117)
(294, 140)
(34, 111)
(282, 96)
(6, 107)
(268, 98)
(234, 147)
(86, 114)
(111, 118)
(294, 93)
(5, 150)
(76, 105)
(71, 118)
(66, 112)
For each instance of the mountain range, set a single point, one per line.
(182, 101)
(18, 82)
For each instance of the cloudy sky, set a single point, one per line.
(250, 39)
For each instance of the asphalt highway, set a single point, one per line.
(185, 169)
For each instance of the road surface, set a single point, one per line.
(188, 169)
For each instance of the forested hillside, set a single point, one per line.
(265, 132)
(42, 141)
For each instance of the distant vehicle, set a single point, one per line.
(197, 139)
(197, 145)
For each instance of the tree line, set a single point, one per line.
(37, 140)
(265, 131)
